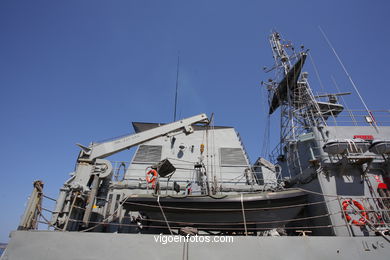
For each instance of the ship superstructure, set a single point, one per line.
(329, 151)
(184, 174)
(323, 192)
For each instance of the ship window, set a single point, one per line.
(232, 157)
(148, 154)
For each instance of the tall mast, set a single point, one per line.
(290, 91)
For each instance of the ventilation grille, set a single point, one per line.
(232, 157)
(148, 154)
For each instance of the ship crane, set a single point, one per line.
(93, 173)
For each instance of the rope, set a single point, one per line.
(317, 193)
(335, 196)
(48, 198)
(243, 214)
(237, 223)
(104, 220)
(247, 223)
(220, 228)
(47, 221)
(217, 224)
(47, 210)
(162, 211)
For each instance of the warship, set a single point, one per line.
(322, 193)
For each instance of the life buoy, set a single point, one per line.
(362, 221)
(151, 177)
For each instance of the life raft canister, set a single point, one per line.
(151, 177)
(362, 221)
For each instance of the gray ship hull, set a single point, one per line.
(45, 245)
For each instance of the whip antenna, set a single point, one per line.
(177, 86)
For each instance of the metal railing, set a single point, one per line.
(360, 118)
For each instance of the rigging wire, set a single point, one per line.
(205, 224)
(350, 78)
(345, 103)
(317, 73)
(107, 218)
(220, 228)
(266, 134)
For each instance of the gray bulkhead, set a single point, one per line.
(342, 177)
(224, 157)
(42, 245)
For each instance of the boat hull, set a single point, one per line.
(256, 211)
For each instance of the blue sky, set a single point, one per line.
(81, 71)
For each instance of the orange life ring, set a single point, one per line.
(151, 177)
(362, 221)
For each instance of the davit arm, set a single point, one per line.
(93, 172)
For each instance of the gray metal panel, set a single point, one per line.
(232, 157)
(148, 154)
(45, 245)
